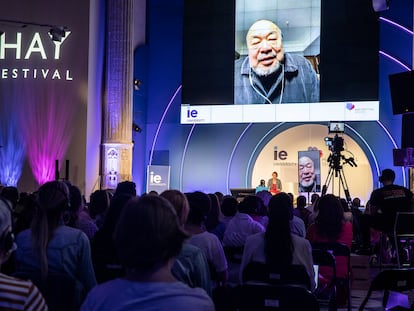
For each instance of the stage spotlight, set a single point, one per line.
(57, 33)
(137, 83)
(136, 127)
(380, 5)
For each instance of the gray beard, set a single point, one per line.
(266, 72)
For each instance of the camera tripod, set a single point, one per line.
(336, 170)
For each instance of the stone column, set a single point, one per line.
(117, 107)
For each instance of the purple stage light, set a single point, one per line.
(47, 126)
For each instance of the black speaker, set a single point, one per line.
(402, 95)
(407, 126)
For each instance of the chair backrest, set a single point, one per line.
(290, 275)
(324, 254)
(260, 296)
(404, 223)
(61, 292)
(397, 280)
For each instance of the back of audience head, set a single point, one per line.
(99, 202)
(301, 201)
(229, 206)
(52, 201)
(214, 215)
(199, 207)
(250, 204)
(356, 202)
(278, 239)
(126, 187)
(345, 205)
(179, 202)
(265, 196)
(12, 194)
(116, 206)
(7, 245)
(330, 216)
(314, 197)
(157, 234)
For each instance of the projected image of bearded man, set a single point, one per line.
(268, 75)
(307, 176)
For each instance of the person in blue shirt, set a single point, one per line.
(268, 75)
(262, 186)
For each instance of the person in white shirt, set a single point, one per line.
(242, 224)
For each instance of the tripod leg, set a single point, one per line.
(328, 181)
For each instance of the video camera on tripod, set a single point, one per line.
(336, 159)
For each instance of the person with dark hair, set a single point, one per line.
(278, 247)
(98, 205)
(262, 186)
(301, 211)
(127, 187)
(77, 215)
(148, 258)
(200, 205)
(385, 202)
(242, 224)
(330, 226)
(208, 242)
(190, 266)
(228, 208)
(16, 294)
(50, 247)
(12, 194)
(104, 256)
(213, 221)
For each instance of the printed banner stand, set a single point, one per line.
(158, 178)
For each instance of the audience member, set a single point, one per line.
(98, 205)
(356, 220)
(297, 226)
(126, 187)
(261, 214)
(148, 258)
(209, 243)
(301, 211)
(265, 196)
(330, 226)
(242, 224)
(278, 247)
(24, 212)
(11, 194)
(104, 255)
(15, 294)
(50, 247)
(213, 221)
(229, 207)
(385, 203)
(190, 266)
(77, 215)
(347, 210)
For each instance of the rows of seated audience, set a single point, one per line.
(173, 250)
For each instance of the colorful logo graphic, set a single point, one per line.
(350, 106)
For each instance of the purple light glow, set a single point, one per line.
(388, 21)
(46, 127)
(393, 59)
